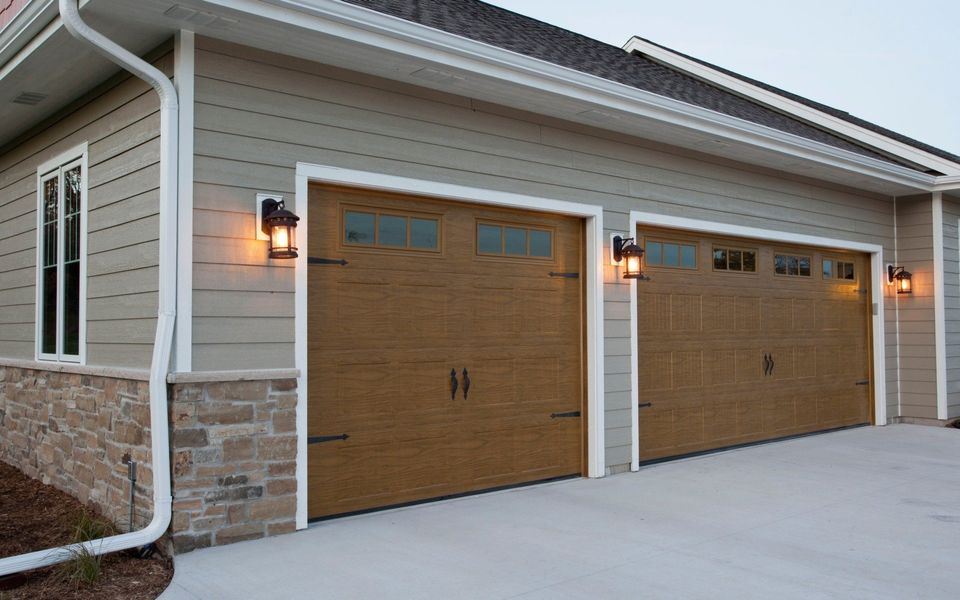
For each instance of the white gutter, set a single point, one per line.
(159, 431)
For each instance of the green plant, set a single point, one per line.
(90, 527)
(83, 566)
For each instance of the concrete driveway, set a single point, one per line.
(863, 513)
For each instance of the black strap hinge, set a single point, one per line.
(573, 413)
(645, 405)
(313, 260)
(319, 439)
(567, 275)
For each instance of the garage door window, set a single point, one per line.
(514, 241)
(792, 265)
(674, 255)
(735, 260)
(393, 231)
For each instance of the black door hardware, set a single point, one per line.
(863, 382)
(768, 364)
(645, 405)
(567, 275)
(466, 383)
(319, 439)
(560, 415)
(313, 260)
(453, 384)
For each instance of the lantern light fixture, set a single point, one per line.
(627, 254)
(280, 225)
(901, 278)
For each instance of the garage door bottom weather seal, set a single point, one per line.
(655, 461)
(446, 497)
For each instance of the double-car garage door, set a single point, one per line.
(741, 341)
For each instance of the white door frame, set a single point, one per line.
(877, 288)
(592, 214)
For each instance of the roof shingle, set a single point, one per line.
(502, 28)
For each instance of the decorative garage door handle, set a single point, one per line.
(466, 383)
(768, 364)
(453, 384)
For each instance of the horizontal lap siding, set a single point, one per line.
(258, 114)
(951, 293)
(121, 128)
(918, 365)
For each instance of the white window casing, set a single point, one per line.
(61, 329)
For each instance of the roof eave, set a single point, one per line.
(801, 111)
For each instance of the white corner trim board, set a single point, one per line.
(939, 305)
(184, 70)
(592, 214)
(877, 287)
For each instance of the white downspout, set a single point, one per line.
(159, 430)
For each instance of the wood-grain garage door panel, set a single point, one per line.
(705, 337)
(386, 329)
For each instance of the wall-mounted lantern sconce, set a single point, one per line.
(280, 225)
(627, 254)
(901, 278)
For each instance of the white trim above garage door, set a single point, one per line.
(877, 286)
(592, 215)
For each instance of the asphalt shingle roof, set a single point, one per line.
(502, 28)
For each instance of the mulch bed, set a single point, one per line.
(34, 516)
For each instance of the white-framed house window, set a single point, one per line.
(62, 257)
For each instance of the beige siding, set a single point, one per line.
(918, 369)
(257, 115)
(121, 127)
(951, 293)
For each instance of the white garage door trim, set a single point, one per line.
(877, 287)
(593, 214)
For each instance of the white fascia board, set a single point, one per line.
(947, 184)
(797, 109)
(393, 34)
(31, 19)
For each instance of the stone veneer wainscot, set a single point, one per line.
(234, 461)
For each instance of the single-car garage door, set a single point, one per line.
(741, 341)
(445, 354)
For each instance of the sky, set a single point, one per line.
(895, 63)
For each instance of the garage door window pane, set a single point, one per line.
(541, 243)
(736, 262)
(827, 269)
(654, 253)
(515, 241)
(720, 259)
(688, 256)
(671, 255)
(423, 233)
(359, 227)
(392, 231)
(749, 261)
(488, 239)
(804, 266)
(780, 264)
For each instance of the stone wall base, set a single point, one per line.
(234, 461)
